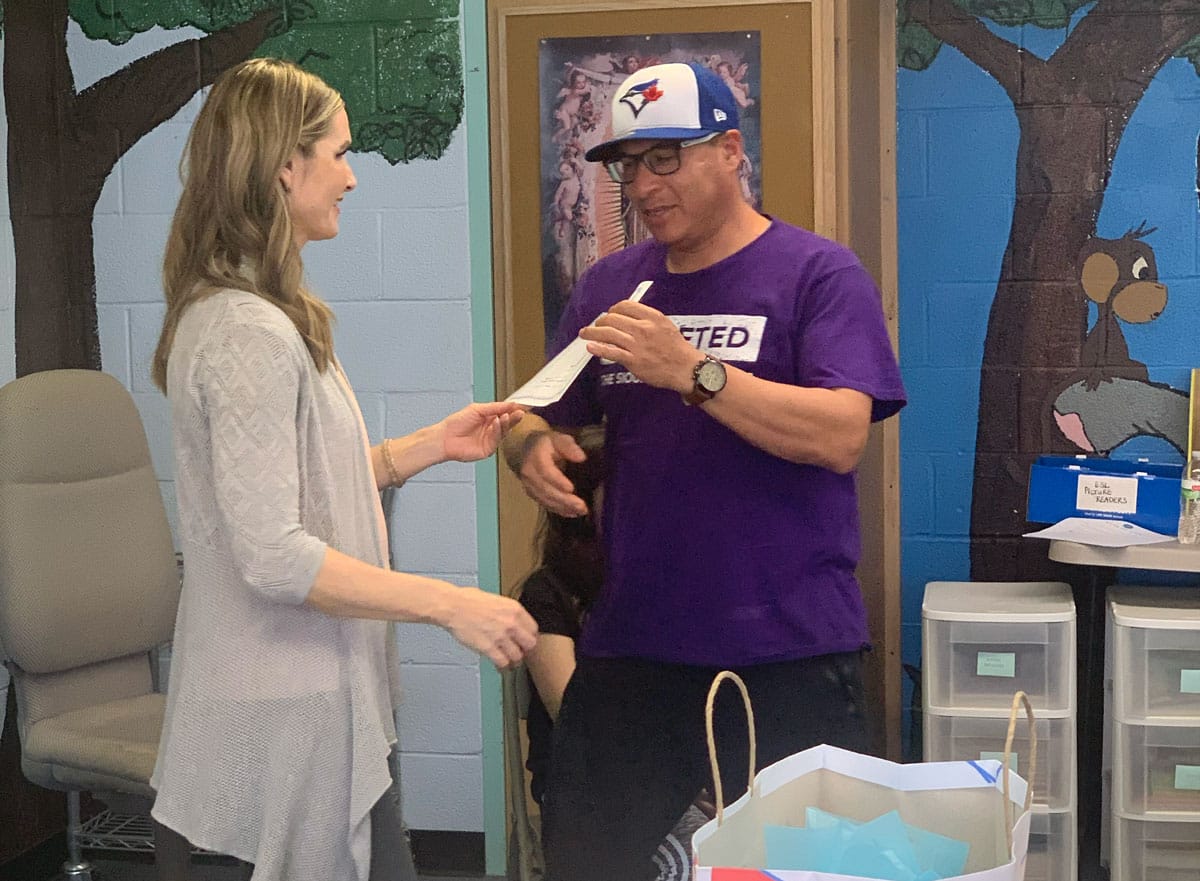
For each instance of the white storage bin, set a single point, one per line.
(1106, 747)
(1106, 818)
(1106, 760)
(1156, 653)
(1053, 846)
(984, 641)
(1146, 850)
(972, 737)
(1156, 769)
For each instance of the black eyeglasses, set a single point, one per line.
(661, 159)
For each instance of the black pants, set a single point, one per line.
(630, 752)
(391, 856)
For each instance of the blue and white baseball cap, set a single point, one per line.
(674, 101)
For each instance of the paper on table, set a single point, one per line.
(1102, 533)
(551, 382)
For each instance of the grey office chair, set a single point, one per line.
(88, 587)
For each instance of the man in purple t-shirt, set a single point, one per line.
(737, 398)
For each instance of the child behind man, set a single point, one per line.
(558, 595)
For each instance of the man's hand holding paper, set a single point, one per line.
(549, 383)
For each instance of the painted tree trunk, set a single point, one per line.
(62, 145)
(53, 186)
(1036, 328)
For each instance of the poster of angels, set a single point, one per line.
(585, 215)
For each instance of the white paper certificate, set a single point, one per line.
(1100, 532)
(551, 382)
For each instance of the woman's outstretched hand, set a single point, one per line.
(475, 431)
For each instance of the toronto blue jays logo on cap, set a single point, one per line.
(672, 101)
(641, 94)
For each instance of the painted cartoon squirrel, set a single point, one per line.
(1121, 277)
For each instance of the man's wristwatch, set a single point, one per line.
(708, 378)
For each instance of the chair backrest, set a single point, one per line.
(87, 567)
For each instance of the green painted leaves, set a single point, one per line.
(1039, 13)
(916, 47)
(396, 62)
(117, 21)
(1191, 51)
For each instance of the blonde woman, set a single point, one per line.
(280, 711)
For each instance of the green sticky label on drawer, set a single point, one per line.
(996, 664)
(1187, 776)
(999, 757)
(1189, 681)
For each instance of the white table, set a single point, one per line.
(1168, 556)
(1090, 611)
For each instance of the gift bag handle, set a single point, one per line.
(712, 743)
(1018, 699)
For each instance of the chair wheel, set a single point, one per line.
(78, 872)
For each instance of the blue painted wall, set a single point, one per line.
(957, 145)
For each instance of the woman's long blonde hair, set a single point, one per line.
(232, 228)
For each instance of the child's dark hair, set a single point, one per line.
(570, 546)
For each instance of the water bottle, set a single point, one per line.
(1189, 503)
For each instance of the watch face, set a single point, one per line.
(711, 376)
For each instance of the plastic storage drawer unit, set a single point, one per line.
(1053, 846)
(1146, 850)
(1156, 769)
(1156, 654)
(972, 737)
(984, 640)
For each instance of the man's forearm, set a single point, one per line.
(811, 426)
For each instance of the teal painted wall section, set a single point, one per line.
(474, 25)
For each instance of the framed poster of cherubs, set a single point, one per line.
(585, 213)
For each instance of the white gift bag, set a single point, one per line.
(973, 802)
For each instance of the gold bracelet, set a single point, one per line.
(389, 463)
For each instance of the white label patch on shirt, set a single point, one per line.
(728, 337)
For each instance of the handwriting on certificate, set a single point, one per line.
(552, 381)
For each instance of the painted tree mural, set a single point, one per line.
(397, 64)
(1072, 109)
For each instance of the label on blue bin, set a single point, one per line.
(996, 664)
(1117, 495)
(1189, 681)
(1187, 776)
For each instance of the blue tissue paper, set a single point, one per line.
(885, 848)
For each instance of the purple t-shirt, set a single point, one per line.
(718, 553)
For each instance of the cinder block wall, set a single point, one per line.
(956, 146)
